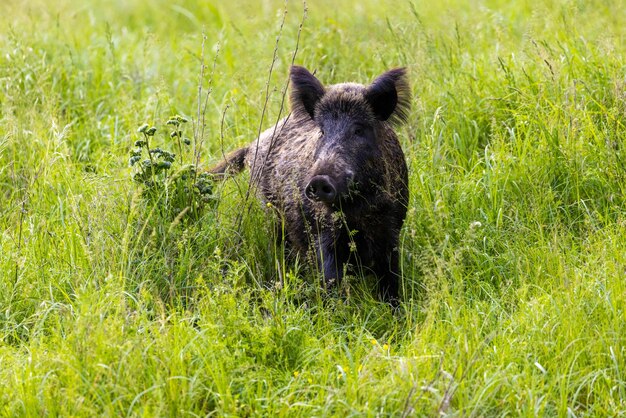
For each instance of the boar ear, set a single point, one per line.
(306, 90)
(389, 96)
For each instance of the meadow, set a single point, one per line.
(115, 302)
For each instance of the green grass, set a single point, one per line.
(513, 252)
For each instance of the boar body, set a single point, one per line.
(335, 171)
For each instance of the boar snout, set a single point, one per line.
(322, 188)
(329, 189)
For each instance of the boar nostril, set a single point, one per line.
(321, 188)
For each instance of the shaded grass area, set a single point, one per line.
(512, 253)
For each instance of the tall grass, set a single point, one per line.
(512, 253)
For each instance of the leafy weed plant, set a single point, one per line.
(174, 192)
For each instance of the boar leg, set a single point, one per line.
(331, 260)
(387, 270)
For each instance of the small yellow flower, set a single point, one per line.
(269, 204)
(385, 347)
(340, 372)
(296, 373)
(360, 368)
(373, 341)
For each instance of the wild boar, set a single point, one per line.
(335, 171)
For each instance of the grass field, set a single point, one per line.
(513, 251)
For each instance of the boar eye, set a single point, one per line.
(358, 131)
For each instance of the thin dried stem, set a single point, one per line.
(255, 177)
(199, 125)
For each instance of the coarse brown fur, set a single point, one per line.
(335, 170)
